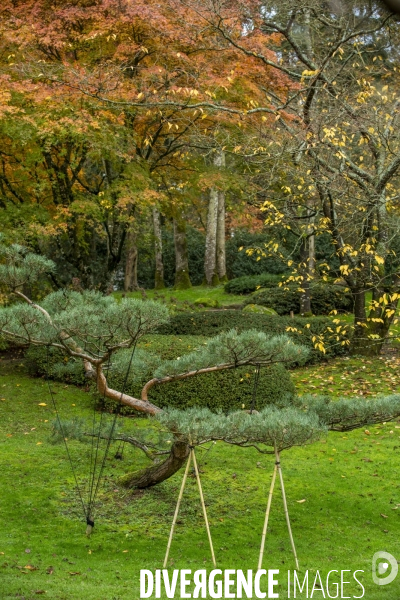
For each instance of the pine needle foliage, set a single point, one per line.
(346, 414)
(98, 323)
(264, 430)
(250, 347)
(19, 267)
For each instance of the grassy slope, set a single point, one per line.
(348, 482)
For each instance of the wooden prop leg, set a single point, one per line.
(203, 505)
(278, 464)
(264, 533)
(177, 509)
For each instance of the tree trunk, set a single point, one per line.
(131, 262)
(160, 471)
(159, 272)
(359, 342)
(221, 255)
(305, 297)
(210, 267)
(210, 258)
(182, 279)
(363, 344)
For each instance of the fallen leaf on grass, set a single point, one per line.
(301, 501)
(74, 573)
(27, 551)
(384, 516)
(50, 571)
(42, 404)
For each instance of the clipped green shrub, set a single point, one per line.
(257, 308)
(222, 390)
(324, 299)
(211, 323)
(54, 364)
(250, 283)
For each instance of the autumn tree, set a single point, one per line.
(337, 143)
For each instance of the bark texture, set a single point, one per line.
(131, 263)
(220, 246)
(159, 272)
(182, 279)
(305, 296)
(210, 258)
(158, 472)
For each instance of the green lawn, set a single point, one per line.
(200, 291)
(349, 482)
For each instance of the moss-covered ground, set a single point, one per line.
(343, 497)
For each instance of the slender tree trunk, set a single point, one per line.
(210, 274)
(305, 296)
(159, 272)
(359, 341)
(131, 263)
(210, 258)
(311, 256)
(221, 254)
(182, 279)
(158, 472)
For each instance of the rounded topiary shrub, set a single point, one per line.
(324, 299)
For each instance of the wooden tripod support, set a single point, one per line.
(277, 468)
(192, 456)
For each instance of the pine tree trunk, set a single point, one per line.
(182, 279)
(131, 263)
(159, 272)
(160, 471)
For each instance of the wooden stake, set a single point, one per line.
(264, 533)
(177, 509)
(278, 464)
(203, 505)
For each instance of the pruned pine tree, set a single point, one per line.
(92, 328)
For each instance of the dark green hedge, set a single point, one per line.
(224, 390)
(324, 299)
(212, 323)
(250, 283)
